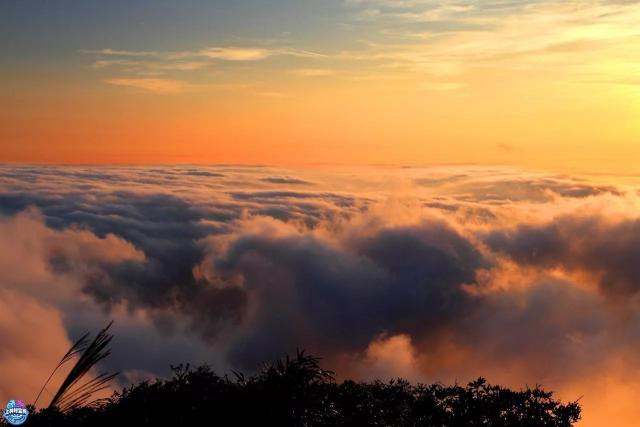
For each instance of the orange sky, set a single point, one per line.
(530, 83)
(547, 85)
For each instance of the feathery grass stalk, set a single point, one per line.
(69, 396)
(78, 347)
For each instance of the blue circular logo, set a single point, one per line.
(16, 412)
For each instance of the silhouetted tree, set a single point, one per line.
(298, 392)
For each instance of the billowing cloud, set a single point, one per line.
(34, 339)
(390, 358)
(335, 295)
(43, 271)
(605, 249)
(433, 274)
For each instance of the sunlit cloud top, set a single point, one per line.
(435, 274)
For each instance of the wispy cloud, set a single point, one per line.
(116, 52)
(224, 53)
(447, 37)
(234, 54)
(151, 85)
(149, 67)
(144, 64)
(429, 39)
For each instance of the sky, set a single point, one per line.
(539, 84)
(440, 274)
(437, 190)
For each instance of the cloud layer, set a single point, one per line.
(434, 274)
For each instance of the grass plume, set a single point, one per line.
(72, 393)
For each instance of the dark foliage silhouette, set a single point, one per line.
(298, 392)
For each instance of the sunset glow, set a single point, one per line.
(430, 189)
(539, 84)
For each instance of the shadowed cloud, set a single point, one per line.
(438, 284)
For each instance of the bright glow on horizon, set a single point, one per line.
(396, 126)
(546, 84)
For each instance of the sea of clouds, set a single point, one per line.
(434, 274)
